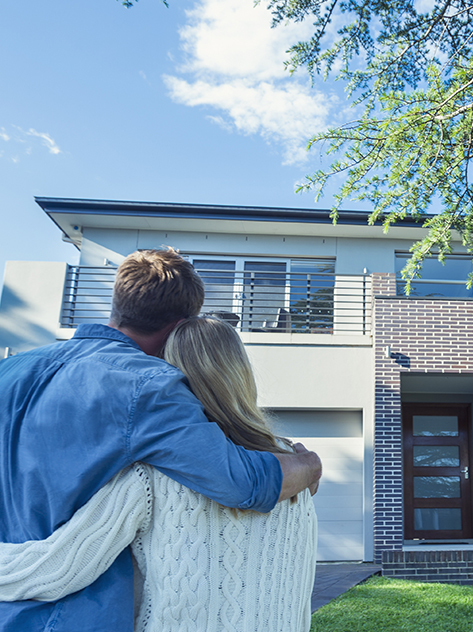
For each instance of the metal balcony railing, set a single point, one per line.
(87, 295)
(316, 303)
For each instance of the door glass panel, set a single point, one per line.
(437, 519)
(435, 425)
(436, 456)
(436, 487)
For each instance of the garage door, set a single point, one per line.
(337, 437)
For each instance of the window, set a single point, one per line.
(437, 280)
(270, 294)
(312, 295)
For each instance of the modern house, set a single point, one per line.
(380, 385)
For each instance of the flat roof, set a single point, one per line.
(71, 215)
(202, 211)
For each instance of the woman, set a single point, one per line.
(202, 567)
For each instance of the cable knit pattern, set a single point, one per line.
(82, 549)
(205, 568)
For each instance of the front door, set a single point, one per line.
(437, 484)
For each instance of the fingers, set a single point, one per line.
(317, 468)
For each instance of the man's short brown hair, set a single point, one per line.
(154, 288)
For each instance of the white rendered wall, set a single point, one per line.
(30, 306)
(100, 244)
(352, 255)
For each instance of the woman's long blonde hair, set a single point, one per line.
(211, 355)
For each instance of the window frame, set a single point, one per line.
(428, 281)
(242, 263)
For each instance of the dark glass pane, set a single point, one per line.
(436, 456)
(219, 279)
(264, 296)
(265, 273)
(438, 280)
(312, 302)
(435, 426)
(437, 519)
(436, 487)
(210, 270)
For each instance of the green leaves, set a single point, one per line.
(412, 145)
(131, 3)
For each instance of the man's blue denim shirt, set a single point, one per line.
(72, 415)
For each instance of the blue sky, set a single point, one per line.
(182, 104)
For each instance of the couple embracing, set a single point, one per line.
(146, 432)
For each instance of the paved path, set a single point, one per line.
(333, 579)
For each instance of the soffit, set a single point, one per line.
(72, 216)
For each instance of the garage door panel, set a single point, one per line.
(335, 490)
(341, 476)
(347, 508)
(341, 460)
(346, 545)
(343, 514)
(340, 448)
(342, 464)
(343, 529)
(325, 500)
(336, 436)
(351, 552)
(330, 423)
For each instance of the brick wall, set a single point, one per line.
(455, 567)
(424, 335)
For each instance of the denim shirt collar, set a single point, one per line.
(95, 330)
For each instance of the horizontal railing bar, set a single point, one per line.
(208, 273)
(89, 283)
(89, 306)
(269, 301)
(439, 281)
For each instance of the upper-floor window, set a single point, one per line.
(438, 280)
(256, 294)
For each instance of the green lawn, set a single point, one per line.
(393, 605)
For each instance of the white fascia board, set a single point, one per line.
(67, 223)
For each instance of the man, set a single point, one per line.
(73, 414)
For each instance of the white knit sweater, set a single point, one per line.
(205, 568)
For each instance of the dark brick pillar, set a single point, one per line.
(388, 517)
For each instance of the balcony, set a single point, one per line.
(252, 301)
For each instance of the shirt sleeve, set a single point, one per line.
(77, 553)
(170, 431)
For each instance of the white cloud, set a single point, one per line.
(233, 37)
(234, 64)
(221, 122)
(285, 114)
(47, 140)
(18, 136)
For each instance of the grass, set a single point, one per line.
(393, 605)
